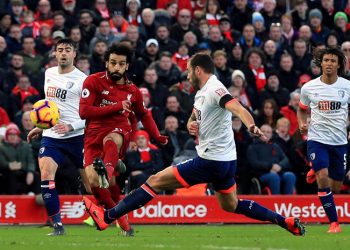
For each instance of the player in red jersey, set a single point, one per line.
(107, 100)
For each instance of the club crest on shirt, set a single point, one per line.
(220, 92)
(41, 150)
(69, 85)
(341, 93)
(312, 156)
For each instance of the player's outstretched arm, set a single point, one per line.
(237, 109)
(151, 127)
(302, 120)
(34, 133)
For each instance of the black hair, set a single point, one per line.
(119, 49)
(204, 61)
(319, 54)
(66, 41)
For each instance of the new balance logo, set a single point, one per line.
(105, 92)
(72, 209)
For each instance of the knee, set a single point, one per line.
(47, 169)
(274, 178)
(153, 182)
(93, 179)
(289, 176)
(230, 207)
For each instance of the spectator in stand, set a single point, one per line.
(319, 32)
(213, 12)
(29, 26)
(259, 25)
(71, 12)
(97, 63)
(328, 12)
(159, 92)
(268, 114)
(345, 48)
(83, 64)
(184, 93)
(254, 72)
(13, 73)
(183, 4)
(149, 56)
(332, 40)
(183, 25)
(300, 13)
(235, 58)
(305, 34)
(225, 27)
(75, 35)
(177, 140)
(133, 12)
(288, 31)
(4, 118)
(290, 111)
(270, 13)
(181, 57)
(105, 33)
(242, 140)
(86, 26)
(273, 90)
(32, 60)
(164, 40)
(172, 8)
(241, 14)
(268, 162)
(147, 27)
(144, 161)
(283, 138)
(275, 34)
(133, 36)
(5, 23)
(245, 92)
(23, 89)
(271, 55)
(118, 23)
(44, 14)
(216, 41)
(341, 26)
(14, 39)
(222, 71)
(4, 55)
(17, 8)
(157, 113)
(59, 21)
(44, 42)
(26, 126)
(248, 39)
(17, 164)
(191, 42)
(288, 75)
(101, 11)
(204, 29)
(167, 71)
(173, 108)
(301, 57)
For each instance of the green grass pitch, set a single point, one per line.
(206, 237)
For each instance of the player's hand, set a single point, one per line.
(62, 128)
(255, 131)
(162, 139)
(33, 134)
(29, 178)
(303, 129)
(193, 128)
(126, 105)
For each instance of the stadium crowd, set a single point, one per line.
(262, 51)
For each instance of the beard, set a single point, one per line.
(195, 82)
(115, 76)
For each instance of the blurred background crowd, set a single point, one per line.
(262, 50)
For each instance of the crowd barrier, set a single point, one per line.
(24, 209)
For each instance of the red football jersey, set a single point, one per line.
(99, 99)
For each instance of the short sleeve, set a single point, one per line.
(304, 98)
(218, 92)
(88, 93)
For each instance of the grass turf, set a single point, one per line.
(207, 237)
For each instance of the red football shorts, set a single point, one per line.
(93, 143)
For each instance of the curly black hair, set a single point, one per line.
(319, 54)
(119, 49)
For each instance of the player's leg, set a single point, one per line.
(163, 180)
(48, 168)
(112, 145)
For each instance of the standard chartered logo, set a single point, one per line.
(171, 211)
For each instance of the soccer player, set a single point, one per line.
(327, 97)
(107, 103)
(216, 163)
(63, 85)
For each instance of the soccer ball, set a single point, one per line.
(44, 114)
